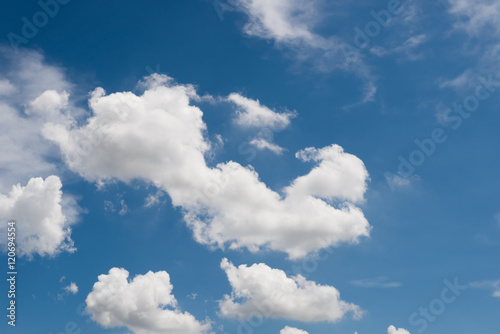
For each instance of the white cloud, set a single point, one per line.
(377, 282)
(463, 80)
(43, 217)
(6, 87)
(407, 47)
(292, 24)
(284, 21)
(269, 293)
(144, 304)
(338, 175)
(31, 94)
(253, 114)
(291, 330)
(497, 218)
(480, 20)
(263, 144)
(153, 199)
(495, 285)
(393, 330)
(49, 103)
(109, 206)
(395, 181)
(159, 137)
(72, 288)
(124, 208)
(473, 16)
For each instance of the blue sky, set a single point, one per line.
(250, 166)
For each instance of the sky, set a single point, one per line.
(250, 166)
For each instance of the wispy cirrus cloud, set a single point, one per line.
(292, 26)
(376, 282)
(480, 21)
(252, 114)
(263, 144)
(493, 285)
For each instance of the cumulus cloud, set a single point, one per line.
(393, 330)
(72, 288)
(253, 114)
(159, 137)
(337, 176)
(43, 225)
(31, 94)
(268, 292)
(291, 330)
(144, 304)
(50, 103)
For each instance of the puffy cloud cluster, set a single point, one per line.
(42, 227)
(144, 304)
(72, 288)
(31, 94)
(269, 293)
(291, 330)
(49, 103)
(159, 137)
(393, 330)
